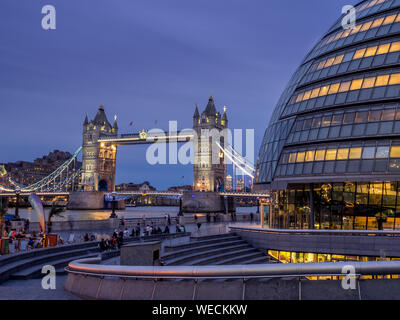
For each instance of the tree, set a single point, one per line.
(55, 211)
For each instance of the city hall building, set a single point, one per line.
(330, 156)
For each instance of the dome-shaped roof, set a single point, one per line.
(343, 96)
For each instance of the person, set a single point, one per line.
(92, 237)
(208, 218)
(123, 221)
(251, 216)
(178, 229)
(27, 225)
(102, 245)
(115, 234)
(133, 232)
(169, 219)
(198, 226)
(159, 231)
(126, 233)
(86, 237)
(138, 230)
(120, 240)
(195, 218)
(166, 229)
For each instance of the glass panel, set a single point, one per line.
(383, 48)
(356, 84)
(374, 115)
(382, 152)
(395, 46)
(361, 117)
(349, 118)
(324, 91)
(343, 153)
(326, 121)
(382, 80)
(395, 152)
(316, 122)
(368, 153)
(331, 154)
(388, 114)
(344, 86)
(337, 119)
(370, 51)
(359, 54)
(300, 156)
(368, 82)
(310, 155)
(334, 88)
(320, 155)
(314, 93)
(292, 157)
(355, 153)
(394, 79)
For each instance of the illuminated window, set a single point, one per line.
(394, 79)
(292, 157)
(329, 62)
(356, 84)
(370, 51)
(315, 92)
(334, 88)
(359, 54)
(320, 155)
(316, 122)
(345, 86)
(377, 22)
(300, 156)
(383, 48)
(338, 59)
(382, 81)
(395, 46)
(324, 91)
(368, 82)
(331, 154)
(355, 153)
(343, 153)
(366, 26)
(310, 155)
(321, 65)
(326, 121)
(307, 95)
(389, 19)
(299, 97)
(357, 29)
(395, 152)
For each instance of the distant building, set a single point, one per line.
(240, 185)
(228, 182)
(142, 187)
(27, 173)
(180, 188)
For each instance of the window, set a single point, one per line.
(388, 115)
(343, 153)
(383, 48)
(395, 152)
(361, 117)
(338, 59)
(300, 156)
(320, 155)
(307, 95)
(344, 86)
(307, 124)
(300, 97)
(389, 19)
(310, 155)
(326, 121)
(366, 26)
(382, 80)
(368, 153)
(370, 51)
(368, 82)
(395, 46)
(292, 157)
(382, 152)
(337, 119)
(359, 54)
(394, 79)
(356, 84)
(374, 116)
(334, 88)
(377, 22)
(355, 153)
(349, 118)
(316, 122)
(315, 92)
(324, 91)
(331, 154)
(329, 62)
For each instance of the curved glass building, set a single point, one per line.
(331, 153)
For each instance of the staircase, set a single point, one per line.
(224, 249)
(29, 264)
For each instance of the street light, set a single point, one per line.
(16, 214)
(113, 215)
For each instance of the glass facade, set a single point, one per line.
(338, 120)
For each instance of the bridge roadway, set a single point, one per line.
(153, 193)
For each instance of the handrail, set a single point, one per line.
(313, 231)
(89, 267)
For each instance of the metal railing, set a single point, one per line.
(317, 232)
(90, 267)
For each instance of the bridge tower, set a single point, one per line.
(98, 159)
(206, 175)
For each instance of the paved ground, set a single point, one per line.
(32, 290)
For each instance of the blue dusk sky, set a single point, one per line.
(148, 61)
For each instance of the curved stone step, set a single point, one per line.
(202, 248)
(197, 243)
(194, 256)
(217, 257)
(243, 259)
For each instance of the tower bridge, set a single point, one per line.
(88, 186)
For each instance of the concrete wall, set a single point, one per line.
(91, 287)
(362, 245)
(199, 202)
(140, 254)
(86, 201)
(79, 225)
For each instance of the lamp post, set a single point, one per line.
(16, 214)
(113, 215)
